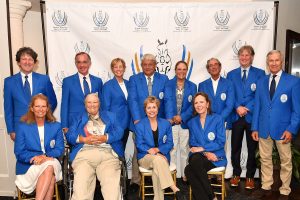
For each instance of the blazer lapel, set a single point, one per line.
(117, 87)
(149, 131)
(35, 84)
(211, 88)
(282, 82)
(155, 83)
(77, 84)
(21, 88)
(143, 83)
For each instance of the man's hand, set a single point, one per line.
(196, 149)
(12, 136)
(287, 137)
(65, 130)
(136, 121)
(211, 156)
(255, 135)
(177, 119)
(242, 111)
(153, 151)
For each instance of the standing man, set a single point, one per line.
(276, 118)
(19, 88)
(141, 86)
(219, 90)
(244, 80)
(75, 88)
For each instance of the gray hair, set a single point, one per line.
(216, 59)
(95, 94)
(274, 52)
(149, 56)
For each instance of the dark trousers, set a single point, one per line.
(238, 128)
(196, 173)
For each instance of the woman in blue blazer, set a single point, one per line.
(114, 96)
(154, 143)
(207, 140)
(39, 142)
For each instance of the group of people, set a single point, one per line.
(168, 118)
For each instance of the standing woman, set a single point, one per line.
(39, 142)
(115, 95)
(207, 140)
(179, 94)
(154, 143)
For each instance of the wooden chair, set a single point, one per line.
(23, 196)
(148, 173)
(219, 172)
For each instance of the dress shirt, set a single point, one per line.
(124, 89)
(277, 78)
(247, 71)
(41, 130)
(215, 84)
(87, 79)
(29, 80)
(152, 79)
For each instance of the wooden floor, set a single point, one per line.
(238, 193)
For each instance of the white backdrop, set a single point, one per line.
(193, 32)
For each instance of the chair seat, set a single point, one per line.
(172, 167)
(217, 169)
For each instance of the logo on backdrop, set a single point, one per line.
(100, 19)
(163, 59)
(182, 20)
(141, 20)
(82, 47)
(222, 18)
(260, 18)
(59, 78)
(236, 46)
(60, 20)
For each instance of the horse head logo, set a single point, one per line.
(163, 58)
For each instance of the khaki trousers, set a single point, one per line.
(181, 143)
(94, 162)
(161, 176)
(135, 173)
(284, 150)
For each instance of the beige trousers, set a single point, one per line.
(95, 162)
(284, 150)
(161, 176)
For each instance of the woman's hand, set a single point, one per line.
(153, 151)
(93, 139)
(196, 149)
(37, 160)
(211, 156)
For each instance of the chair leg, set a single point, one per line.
(57, 197)
(190, 192)
(143, 187)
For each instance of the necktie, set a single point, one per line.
(272, 87)
(244, 77)
(27, 88)
(149, 86)
(86, 86)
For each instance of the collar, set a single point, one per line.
(81, 76)
(23, 75)
(277, 75)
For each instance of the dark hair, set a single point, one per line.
(115, 61)
(151, 99)
(181, 62)
(248, 48)
(83, 53)
(29, 117)
(207, 100)
(28, 51)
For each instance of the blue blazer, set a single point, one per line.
(72, 101)
(15, 101)
(113, 100)
(212, 137)
(221, 103)
(28, 145)
(190, 90)
(144, 137)
(138, 92)
(273, 117)
(244, 94)
(112, 129)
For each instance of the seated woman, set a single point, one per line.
(154, 143)
(207, 140)
(39, 141)
(96, 143)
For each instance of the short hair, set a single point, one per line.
(248, 48)
(28, 51)
(95, 94)
(207, 100)
(151, 99)
(115, 61)
(274, 52)
(181, 62)
(216, 59)
(83, 53)
(149, 56)
(29, 117)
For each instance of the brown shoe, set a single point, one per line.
(249, 183)
(260, 193)
(283, 197)
(234, 181)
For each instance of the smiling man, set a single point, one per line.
(75, 88)
(276, 118)
(19, 88)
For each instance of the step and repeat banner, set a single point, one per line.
(193, 32)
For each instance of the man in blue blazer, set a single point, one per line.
(19, 88)
(141, 86)
(219, 90)
(276, 118)
(244, 80)
(75, 88)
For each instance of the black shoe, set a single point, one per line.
(260, 193)
(180, 195)
(133, 188)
